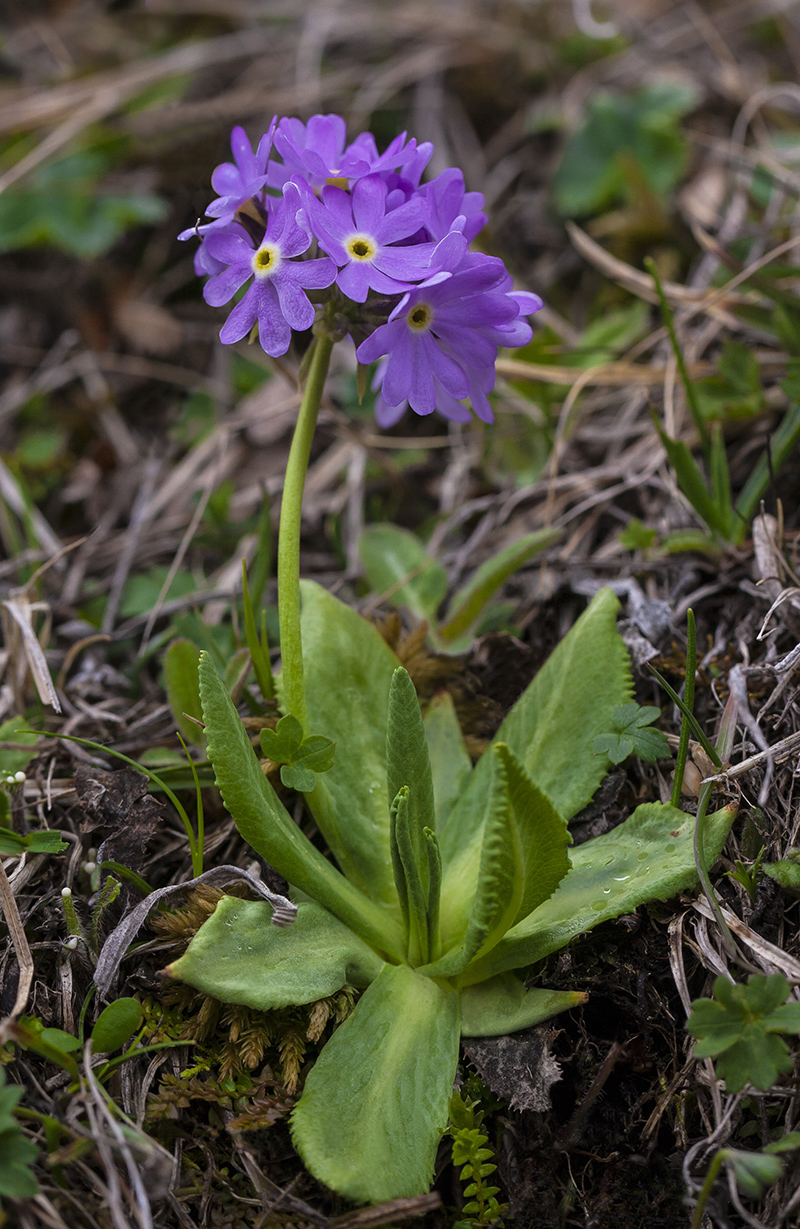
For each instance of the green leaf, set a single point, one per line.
(451, 766)
(397, 564)
(348, 672)
(238, 956)
(302, 758)
(265, 824)
(60, 1039)
(644, 126)
(631, 735)
(754, 1171)
(181, 663)
(317, 753)
(16, 1152)
(551, 730)
(47, 841)
(523, 859)
(692, 483)
(469, 602)
(648, 857)
(407, 764)
(282, 744)
(502, 1005)
(738, 1023)
(786, 873)
(15, 731)
(375, 1102)
(116, 1024)
(782, 445)
(295, 776)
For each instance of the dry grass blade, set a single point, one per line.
(21, 611)
(20, 943)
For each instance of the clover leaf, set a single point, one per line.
(300, 758)
(630, 735)
(739, 1024)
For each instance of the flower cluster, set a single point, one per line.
(308, 221)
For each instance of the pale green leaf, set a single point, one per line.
(264, 823)
(238, 956)
(469, 603)
(551, 730)
(15, 730)
(181, 663)
(648, 857)
(503, 1005)
(348, 673)
(397, 564)
(375, 1102)
(451, 766)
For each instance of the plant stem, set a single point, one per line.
(688, 699)
(707, 1187)
(294, 696)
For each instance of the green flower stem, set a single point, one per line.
(294, 696)
(688, 699)
(708, 1186)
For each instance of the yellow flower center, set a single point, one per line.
(419, 318)
(361, 247)
(337, 181)
(266, 260)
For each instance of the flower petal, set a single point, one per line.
(222, 287)
(241, 319)
(273, 331)
(369, 203)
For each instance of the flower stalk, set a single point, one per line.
(294, 696)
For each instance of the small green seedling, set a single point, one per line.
(754, 1171)
(632, 735)
(739, 1026)
(300, 758)
(449, 878)
(399, 569)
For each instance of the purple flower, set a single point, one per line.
(316, 151)
(446, 199)
(236, 182)
(357, 232)
(276, 298)
(442, 339)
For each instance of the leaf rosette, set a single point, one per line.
(448, 878)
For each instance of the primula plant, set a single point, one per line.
(447, 879)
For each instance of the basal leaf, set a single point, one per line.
(523, 859)
(451, 766)
(375, 1102)
(264, 823)
(348, 672)
(501, 876)
(540, 836)
(551, 730)
(397, 564)
(503, 1005)
(181, 663)
(648, 857)
(237, 956)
